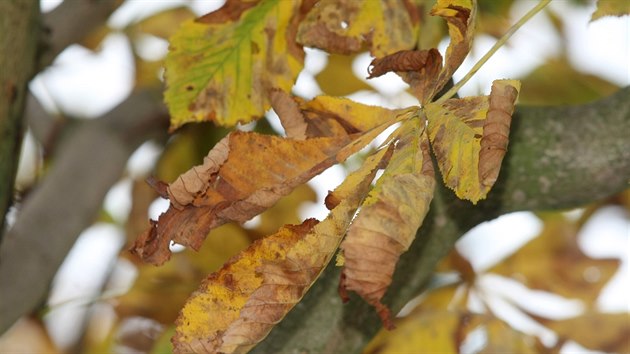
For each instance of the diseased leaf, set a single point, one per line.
(608, 332)
(460, 16)
(611, 8)
(327, 116)
(418, 68)
(236, 307)
(560, 266)
(423, 69)
(221, 66)
(389, 218)
(160, 292)
(346, 26)
(469, 138)
(227, 187)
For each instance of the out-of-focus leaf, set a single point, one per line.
(554, 262)
(557, 83)
(337, 78)
(221, 66)
(27, 336)
(236, 307)
(504, 339)
(429, 328)
(148, 73)
(346, 26)
(389, 218)
(611, 8)
(93, 40)
(164, 23)
(494, 17)
(187, 148)
(160, 292)
(285, 211)
(136, 335)
(469, 137)
(142, 195)
(163, 343)
(608, 332)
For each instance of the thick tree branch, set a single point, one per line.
(559, 157)
(87, 164)
(18, 50)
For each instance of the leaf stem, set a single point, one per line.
(450, 93)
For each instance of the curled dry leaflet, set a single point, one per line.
(234, 64)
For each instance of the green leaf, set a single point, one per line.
(221, 66)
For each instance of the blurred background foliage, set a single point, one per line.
(540, 296)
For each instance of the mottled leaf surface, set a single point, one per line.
(221, 66)
(236, 307)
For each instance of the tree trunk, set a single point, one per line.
(19, 37)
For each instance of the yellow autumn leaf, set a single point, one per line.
(221, 66)
(460, 16)
(228, 187)
(502, 338)
(236, 307)
(597, 331)
(429, 328)
(469, 137)
(160, 292)
(328, 116)
(389, 218)
(560, 267)
(346, 26)
(611, 8)
(164, 23)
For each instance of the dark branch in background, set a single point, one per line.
(70, 22)
(559, 157)
(66, 202)
(18, 52)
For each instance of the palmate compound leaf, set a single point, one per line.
(236, 307)
(423, 69)
(389, 218)
(469, 137)
(220, 67)
(246, 173)
(345, 26)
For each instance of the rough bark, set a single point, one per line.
(68, 199)
(558, 157)
(19, 36)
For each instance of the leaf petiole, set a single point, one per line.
(531, 13)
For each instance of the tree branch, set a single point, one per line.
(66, 202)
(70, 22)
(559, 157)
(18, 50)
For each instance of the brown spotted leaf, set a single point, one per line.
(236, 307)
(222, 66)
(389, 218)
(418, 68)
(244, 174)
(346, 26)
(469, 137)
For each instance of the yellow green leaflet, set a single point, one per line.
(221, 66)
(469, 137)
